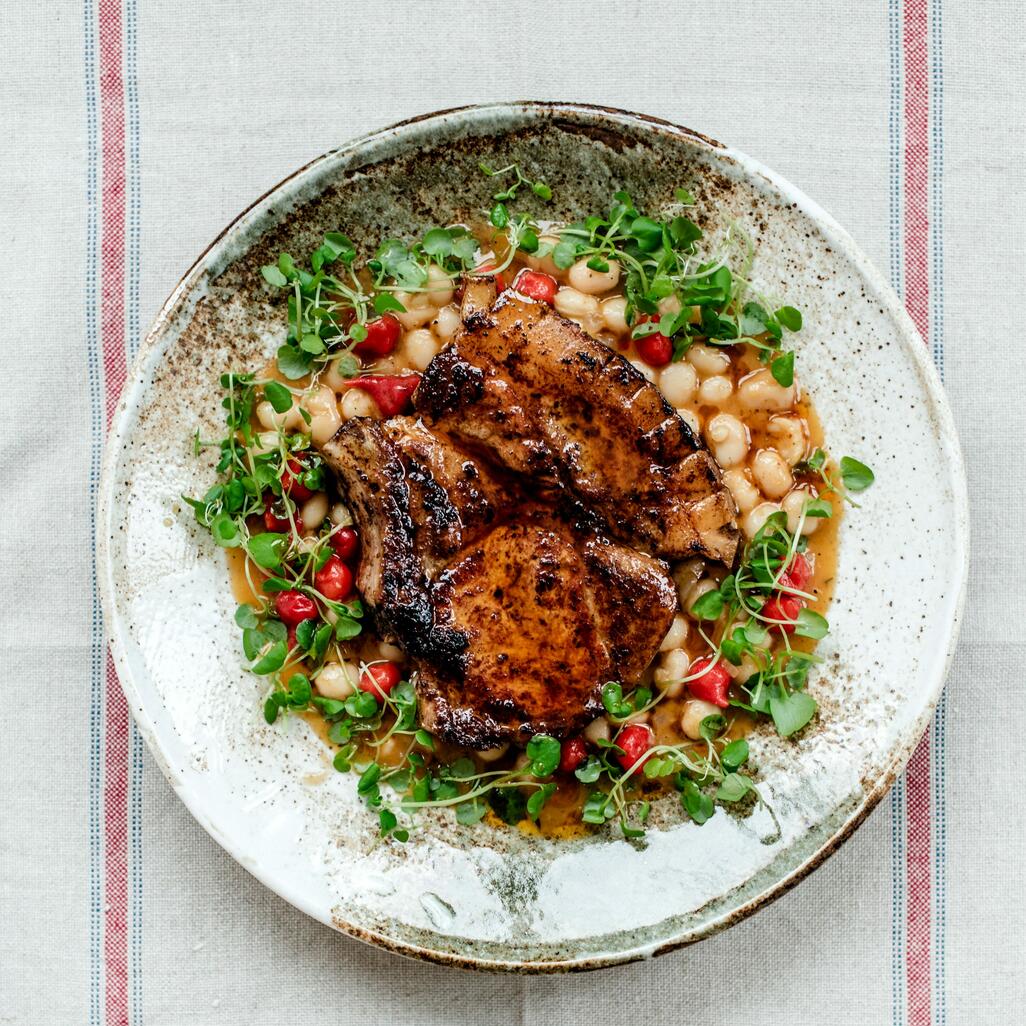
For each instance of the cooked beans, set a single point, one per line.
(759, 391)
(686, 575)
(678, 382)
(649, 373)
(446, 323)
(289, 420)
(671, 671)
(790, 437)
(331, 377)
(440, 285)
(692, 420)
(339, 515)
(314, 510)
(707, 360)
(792, 504)
(391, 652)
(337, 680)
(584, 279)
(597, 730)
(715, 391)
(755, 518)
(614, 314)
(324, 416)
(493, 754)
(771, 473)
(419, 309)
(578, 306)
(356, 403)
(694, 712)
(703, 587)
(728, 438)
(676, 635)
(746, 495)
(420, 347)
(546, 263)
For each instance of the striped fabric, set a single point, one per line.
(136, 130)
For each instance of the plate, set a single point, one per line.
(497, 898)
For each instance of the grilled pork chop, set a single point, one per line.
(515, 612)
(536, 394)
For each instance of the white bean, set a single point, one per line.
(339, 515)
(322, 406)
(703, 587)
(648, 372)
(746, 495)
(578, 307)
(678, 382)
(715, 391)
(759, 391)
(676, 635)
(707, 360)
(669, 304)
(597, 730)
(793, 503)
(331, 377)
(446, 323)
(584, 279)
(337, 680)
(391, 652)
(614, 314)
(419, 347)
(686, 575)
(357, 403)
(419, 309)
(546, 263)
(314, 510)
(669, 675)
(694, 712)
(493, 754)
(771, 473)
(289, 420)
(440, 285)
(728, 438)
(755, 518)
(790, 437)
(692, 419)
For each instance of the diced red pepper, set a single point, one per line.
(487, 268)
(655, 349)
(536, 285)
(635, 739)
(294, 607)
(784, 609)
(382, 337)
(798, 574)
(345, 542)
(290, 483)
(276, 519)
(380, 678)
(712, 681)
(334, 580)
(391, 392)
(573, 753)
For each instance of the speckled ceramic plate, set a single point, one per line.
(475, 895)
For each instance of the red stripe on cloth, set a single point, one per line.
(112, 333)
(918, 859)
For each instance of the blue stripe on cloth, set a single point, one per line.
(134, 241)
(937, 345)
(899, 1002)
(95, 377)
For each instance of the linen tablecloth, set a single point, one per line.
(133, 131)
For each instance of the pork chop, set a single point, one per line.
(535, 393)
(514, 611)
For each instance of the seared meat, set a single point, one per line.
(515, 614)
(535, 393)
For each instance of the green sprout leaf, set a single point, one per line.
(791, 711)
(857, 477)
(278, 396)
(543, 751)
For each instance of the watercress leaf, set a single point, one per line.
(312, 343)
(245, 616)
(735, 754)
(437, 243)
(589, 771)
(712, 726)
(337, 246)
(499, 215)
(293, 363)
(791, 711)
(347, 628)
(278, 396)
(320, 642)
(273, 276)
(733, 787)
(462, 769)
(343, 759)
(541, 190)
(612, 699)
(362, 705)
(266, 549)
(424, 739)
(697, 804)
(789, 317)
(564, 254)
(509, 804)
(305, 634)
(369, 779)
(386, 822)
(385, 301)
(684, 197)
(811, 624)
(597, 808)
(299, 690)
(225, 531)
(329, 706)
(857, 477)
(782, 369)
(272, 706)
(818, 508)
(470, 812)
(708, 607)
(543, 751)
(684, 232)
(538, 799)
(272, 660)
